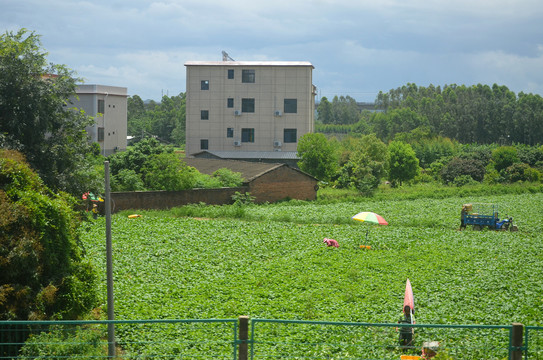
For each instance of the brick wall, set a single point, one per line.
(283, 182)
(170, 199)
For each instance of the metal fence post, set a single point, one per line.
(515, 352)
(243, 337)
(109, 267)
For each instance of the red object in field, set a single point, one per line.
(331, 242)
(409, 300)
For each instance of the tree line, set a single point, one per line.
(363, 162)
(468, 114)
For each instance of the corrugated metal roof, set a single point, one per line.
(279, 155)
(249, 63)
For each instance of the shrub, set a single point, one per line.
(42, 274)
(459, 166)
(127, 180)
(504, 156)
(463, 180)
(532, 175)
(516, 172)
(60, 342)
(228, 178)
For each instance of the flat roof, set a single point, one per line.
(249, 63)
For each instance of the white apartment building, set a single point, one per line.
(248, 106)
(108, 106)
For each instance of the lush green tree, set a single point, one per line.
(324, 111)
(402, 163)
(164, 120)
(127, 180)
(317, 156)
(42, 271)
(504, 156)
(35, 115)
(166, 171)
(368, 162)
(344, 110)
(463, 166)
(134, 157)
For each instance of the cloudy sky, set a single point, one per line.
(358, 47)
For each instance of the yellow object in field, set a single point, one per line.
(409, 357)
(133, 216)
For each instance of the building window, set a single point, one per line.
(101, 106)
(291, 106)
(230, 102)
(248, 105)
(230, 132)
(100, 134)
(230, 73)
(204, 144)
(204, 85)
(204, 115)
(289, 135)
(248, 135)
(247, 76)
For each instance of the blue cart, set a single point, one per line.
(481, 215)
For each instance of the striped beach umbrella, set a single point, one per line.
(370, 217)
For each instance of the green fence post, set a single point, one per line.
(243, 337)
(515, 351)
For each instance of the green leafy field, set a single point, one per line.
(276, 266)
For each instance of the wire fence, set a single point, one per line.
(261, 339)
(136, 339)
(533, 342)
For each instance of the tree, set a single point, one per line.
(367, 162)
(317, 156)
(42, 271)
(461, 166)
(402, 162)
(504, 157)
(35, 113)
(324, 111)
(166, 172)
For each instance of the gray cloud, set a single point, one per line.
(358, 47)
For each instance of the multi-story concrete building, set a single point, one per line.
(251, 107)
(108, 106)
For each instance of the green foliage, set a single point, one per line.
(533, 175)
(150, 165)
(504, 156)
(63, 342)
(403, 164)
(368, 162)
(42, 274)
(460, 166)
(135, 157)
(127, 180)
(164, 120)
(516, 172)
(342, 110)
(468, 114)
(167, 172)
(317, 157)
(35, 116)
(228, 178)
(243, 199)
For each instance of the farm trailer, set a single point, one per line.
(481, 215)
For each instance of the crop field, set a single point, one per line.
(273, 264)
